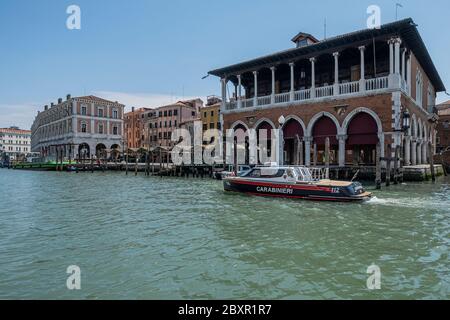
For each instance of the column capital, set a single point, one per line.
(342, 137)
(362, 48)
(336, 54)
(291, 64)
(273, 68)
(308, 139)
(255, 73)
(398, 40)
(239, 76)
(313, 59)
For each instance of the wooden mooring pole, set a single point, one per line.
(396, 167)
(378, 167)
(315, 155)
(327, 158)
(235, 158)
(126, 163)
(388, 165)
(430, 152)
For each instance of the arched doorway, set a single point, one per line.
(242, 139)
(100, 151)
(264, 139)
(293, 134)
(84, 151)
(362, 133)
(325, 128)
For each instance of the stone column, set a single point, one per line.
(391, 56)
(407, 151)
(408, 75)
(336, 73)
(272, 97)
(414, 152)
(419, 152)
(255, 98)
(424, 152)
(342, 139)
(239, 98)
(223, 82)
(362, 81)
(403, 64)
(398, 42)
(292, 92)
(308, 141)
(313, 77)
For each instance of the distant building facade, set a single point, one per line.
(79, 127)
(135, 132)
(210, 115)
(14, 142)
(443, 127)
(168, 118)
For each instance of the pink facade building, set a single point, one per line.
(168, 118)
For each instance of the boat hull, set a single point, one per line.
(313, 192)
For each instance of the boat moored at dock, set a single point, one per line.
(295, 183)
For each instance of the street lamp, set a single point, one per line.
(406, 121)
(281, 122)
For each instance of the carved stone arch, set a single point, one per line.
(352, 114)
(319, 115)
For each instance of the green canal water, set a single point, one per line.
(151, 238)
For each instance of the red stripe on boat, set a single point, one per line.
(274, 185)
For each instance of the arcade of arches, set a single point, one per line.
(351, 143)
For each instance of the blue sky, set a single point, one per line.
(146, 53)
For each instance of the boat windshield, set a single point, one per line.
(304, 174)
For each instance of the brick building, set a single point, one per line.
(443, 127)
(168, 118)
(80, 127)
(355, 89)
(136, 133)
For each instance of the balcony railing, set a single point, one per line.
(302, 95)
(377, 83)
(282, 97)
(247, 103)
(262, 101)
(326, 91)
(348, 88)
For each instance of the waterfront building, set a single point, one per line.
(15, 143)
(355, 89)
(168, 118)
(135, 132)
(79, 128)
(443, 127)
(210, 115)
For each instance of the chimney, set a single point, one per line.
(45, 107)
(68, 97)
(132, 109)
(59, 100)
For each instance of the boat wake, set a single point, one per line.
(406, 203)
